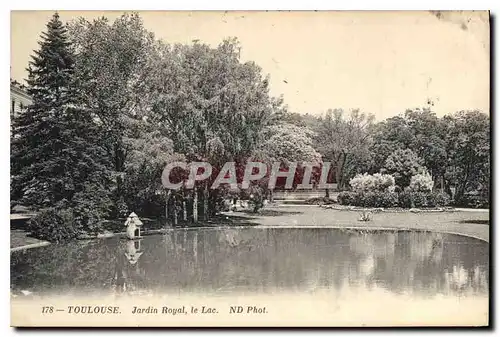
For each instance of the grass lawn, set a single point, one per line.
(474, 224)
(19, 238)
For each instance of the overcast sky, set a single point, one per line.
(380, 62)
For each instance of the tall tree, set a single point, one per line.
(344, 140)
(56, 157)
(285, 143)
(109, 61)
(419, 130)
(468, 147)
(214, 106)
(150, 150)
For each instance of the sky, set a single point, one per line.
(379, 62)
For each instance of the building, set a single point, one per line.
(19, 98)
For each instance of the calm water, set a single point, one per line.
(251, 260)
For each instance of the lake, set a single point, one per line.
(259, 260)
(382, 277)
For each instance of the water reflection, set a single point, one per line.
(128, 277)
(259, 260)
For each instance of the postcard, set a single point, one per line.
(250, 168)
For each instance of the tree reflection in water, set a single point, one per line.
(259, 260)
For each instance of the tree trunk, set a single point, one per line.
(447, 189)
(175, 213)
(184, 210)
(205, 202)
(340, 171)
(460, 190)
(195, 205)
(339, 163)
(167, 197)
(119, 164)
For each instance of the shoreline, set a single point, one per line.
(325, 218)
(449, 221)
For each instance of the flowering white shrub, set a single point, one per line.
(370, 183)
(421, 182)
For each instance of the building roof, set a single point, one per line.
(19, 89)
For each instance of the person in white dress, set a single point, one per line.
(133, 223)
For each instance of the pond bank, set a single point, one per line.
(473, 224)
(20, 240)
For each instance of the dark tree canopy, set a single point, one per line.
(56, 156)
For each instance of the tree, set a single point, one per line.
(388, 136)
(429, 140)
(149, 151)
(403, 164)
(286, 143)
(468, 148)
(214, 106)
(345, 142)
(109, 64)
(419, 130)
(56, 156)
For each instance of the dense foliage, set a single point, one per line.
(112, 105)
(421, 182)
(406, 199)
(403, 165)
(53, 225)
(369, 199)
(371, 183)
(57, 157)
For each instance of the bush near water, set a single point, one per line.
(405, 199)
(379, 190)
(54, 225)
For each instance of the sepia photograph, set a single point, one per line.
(250, 168)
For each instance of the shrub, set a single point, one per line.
(54, 225)
(89, 208)
(421, 182)
(387, 200)
(83, 214)
(438, 199)
(256, 198)
(370, 183)
(471, 200)
(369, 199)
(320, 201)
(410, 199)
(346, 198)
(419, 199)
(378, 199)
(406, 199)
